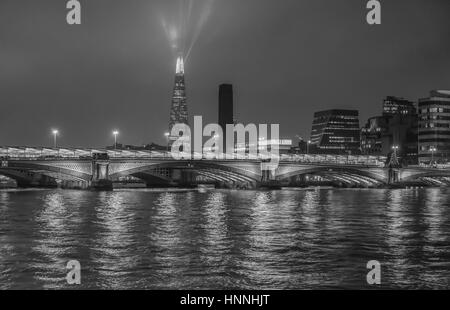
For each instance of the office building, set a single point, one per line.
(336, 132)
(434, 127)
(372, 135)
(398, 106)
(397, 127)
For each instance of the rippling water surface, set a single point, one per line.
(289, 239)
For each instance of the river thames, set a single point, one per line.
(224, 239)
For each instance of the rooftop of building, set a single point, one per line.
(337, 112)
(437, 94)
(399, 99)
(444, 93)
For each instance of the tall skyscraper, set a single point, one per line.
(225, 108)
(178, 110)
(434, 127)
(336, 132)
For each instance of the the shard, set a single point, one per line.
(178, 110)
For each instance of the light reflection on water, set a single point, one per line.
(225, 239)
(112, 225)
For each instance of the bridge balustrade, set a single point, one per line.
(27, 153)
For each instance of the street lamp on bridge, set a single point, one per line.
(55, 134)
(115, 133)
(395, 148)
(432, 150)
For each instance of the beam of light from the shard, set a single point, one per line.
(185, 23)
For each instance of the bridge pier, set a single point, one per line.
(269, 176)
(184, 178)
(100, 176)
(393, 176)
(187, 178)
(101, 185)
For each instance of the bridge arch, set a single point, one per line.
(359, 176)
(435, 174)
(57, 170)
(17, 175)
(224, 172)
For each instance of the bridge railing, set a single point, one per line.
(336, 159)
(27, 153)
(434, 166)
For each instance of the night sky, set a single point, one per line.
(285, 58)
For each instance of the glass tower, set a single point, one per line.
(336, 132)
(178, 110)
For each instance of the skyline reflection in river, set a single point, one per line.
(219, 239)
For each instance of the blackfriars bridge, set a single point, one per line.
(80, 168)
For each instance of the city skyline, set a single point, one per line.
(56, 133)
(243, 147)
(128, 86)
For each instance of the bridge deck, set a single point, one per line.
(42, 153)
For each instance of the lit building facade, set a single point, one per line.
(178, 110)
(434, 127)
(372, 135)
(398, 106)
(336, 132)
(402, 132)
(397, 127)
